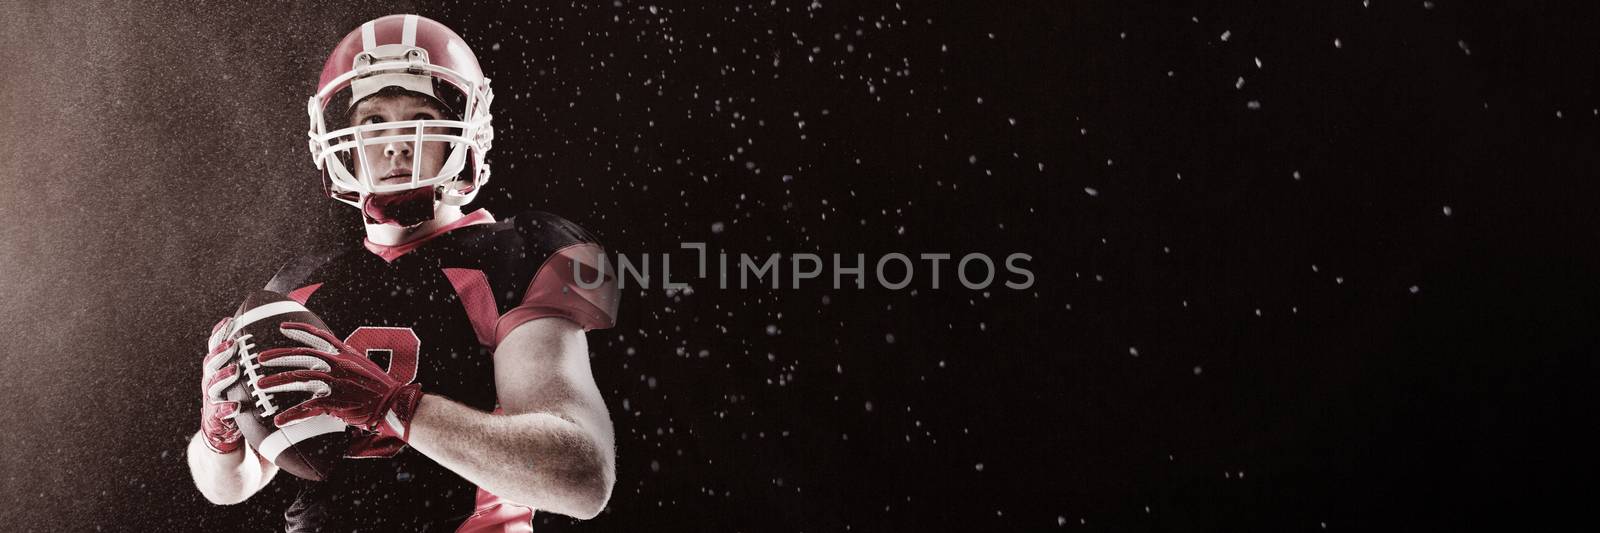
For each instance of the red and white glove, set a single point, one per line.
(221, 433)
(344, 384)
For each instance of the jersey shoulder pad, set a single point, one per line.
(548, 231)
(564, 273)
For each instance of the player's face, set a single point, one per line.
(391, 162)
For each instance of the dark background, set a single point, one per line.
(1401, 337)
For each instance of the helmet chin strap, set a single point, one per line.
(404, 209)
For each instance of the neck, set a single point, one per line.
(392, 235)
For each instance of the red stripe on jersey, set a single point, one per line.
(478, 299)
(556, 291)
(304, 293)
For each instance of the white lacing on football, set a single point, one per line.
(252, 374)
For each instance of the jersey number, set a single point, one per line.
(400, 346)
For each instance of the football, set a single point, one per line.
(308, 449)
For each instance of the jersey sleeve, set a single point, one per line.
(573, 279)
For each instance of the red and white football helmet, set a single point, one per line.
(418, 55)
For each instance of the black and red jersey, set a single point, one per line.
(460, 291)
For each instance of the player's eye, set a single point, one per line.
(373, 119)
(424, 116)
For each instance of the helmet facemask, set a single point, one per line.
(346, 155)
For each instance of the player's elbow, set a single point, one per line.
(588, 487)
(594, 495)
(581, 483)
(587, 503)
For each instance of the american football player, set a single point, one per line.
(478, 406)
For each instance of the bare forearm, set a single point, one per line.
(226, 478)
(537, 459)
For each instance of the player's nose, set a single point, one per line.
(397, 148)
